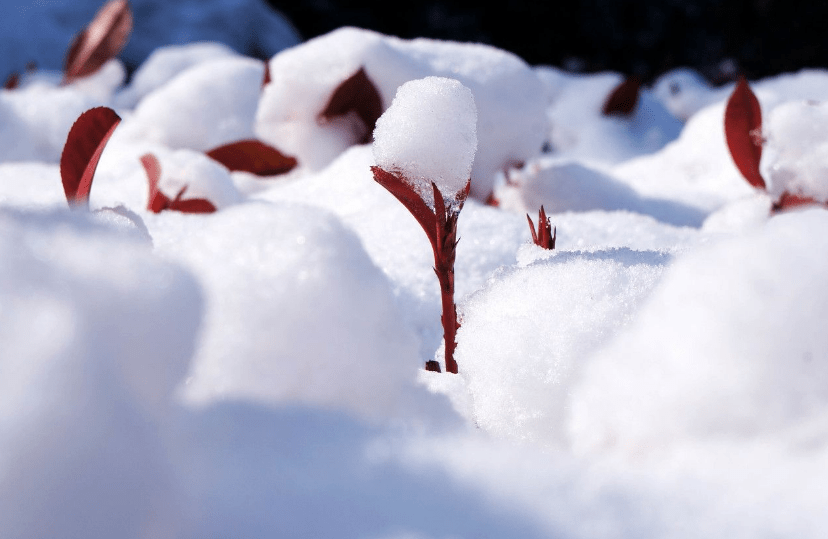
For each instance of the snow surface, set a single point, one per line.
(258, 371)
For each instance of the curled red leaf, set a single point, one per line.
(359, 95)
(82, 151)
(253, 156)
(99, 42)
(623, 98)
(159, 202)
(743, 127)
(545, 236)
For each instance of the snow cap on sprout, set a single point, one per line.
(429, 134)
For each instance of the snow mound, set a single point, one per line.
(509, 97)
(296, 312)
(523, 337)
(207, 105)
(579, 130)
(164, 64)
(797, 149)
(96, 333)
(729, 347)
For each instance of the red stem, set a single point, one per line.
(449, 317)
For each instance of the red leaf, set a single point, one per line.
(267, 78)
(409, 198)
(13, 81)
(99, 42)
(788, 201)
(193, 205)
(743, 125)
(82, 151)
(253, 156)
(358, 94)
(623, 98)
(159, 202)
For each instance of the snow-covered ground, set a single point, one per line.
(258, 372)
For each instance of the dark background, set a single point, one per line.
(720, 38)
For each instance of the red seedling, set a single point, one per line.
(253, 156)
(546, 235)
(159, 202)
(440, 225)
(623, 98)
(99, 42)
(743, 132)
(359, 95)
(82, 151)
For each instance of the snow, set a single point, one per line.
(797, 149)
(429, 135)
(258, 371)
(509, 97)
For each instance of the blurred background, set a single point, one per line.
(720, 38)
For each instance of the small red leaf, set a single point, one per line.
(788, 201)
(358, 94)
(532, 230)
(99, 42)
(12, 82)
(159, 202)
(492, 200)
(623, 98)
(266, 80)
(743, 126)
(82, 151)
(193, 205)
(253, 156)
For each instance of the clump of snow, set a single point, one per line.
(429, 134)
(563, 184)
(297, 312)
(523, 336)
(684, 91)
(730, 346)
(164, 64)
(508, 95)
(695, 169)
(797, 149)
(36, 120)
(95, 333)
(578, 129)
(102, 84)
(207, 105)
